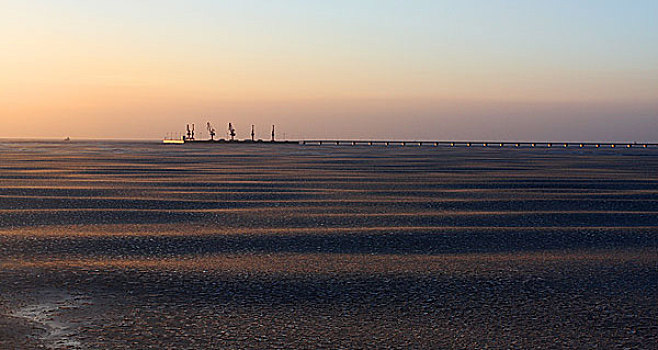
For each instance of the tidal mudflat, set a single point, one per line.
(140, 245)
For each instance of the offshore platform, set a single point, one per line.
(189, 137)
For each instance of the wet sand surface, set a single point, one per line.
(137, 245)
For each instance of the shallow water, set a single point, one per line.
(257, 246)
(48, 311)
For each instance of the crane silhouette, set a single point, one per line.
(211, 131)
(231, 131)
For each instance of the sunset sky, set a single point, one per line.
(551, 70)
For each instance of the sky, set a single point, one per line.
(373, 69)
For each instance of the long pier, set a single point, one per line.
(513, 144)
(404, 143)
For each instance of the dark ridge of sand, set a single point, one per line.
(137, 245)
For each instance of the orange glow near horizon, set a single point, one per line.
(109, 70)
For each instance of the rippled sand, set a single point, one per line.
(137, 245)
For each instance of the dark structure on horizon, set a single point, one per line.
(231, 132)
(211, 131)
(231, 136)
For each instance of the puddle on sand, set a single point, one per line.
(48, 312)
